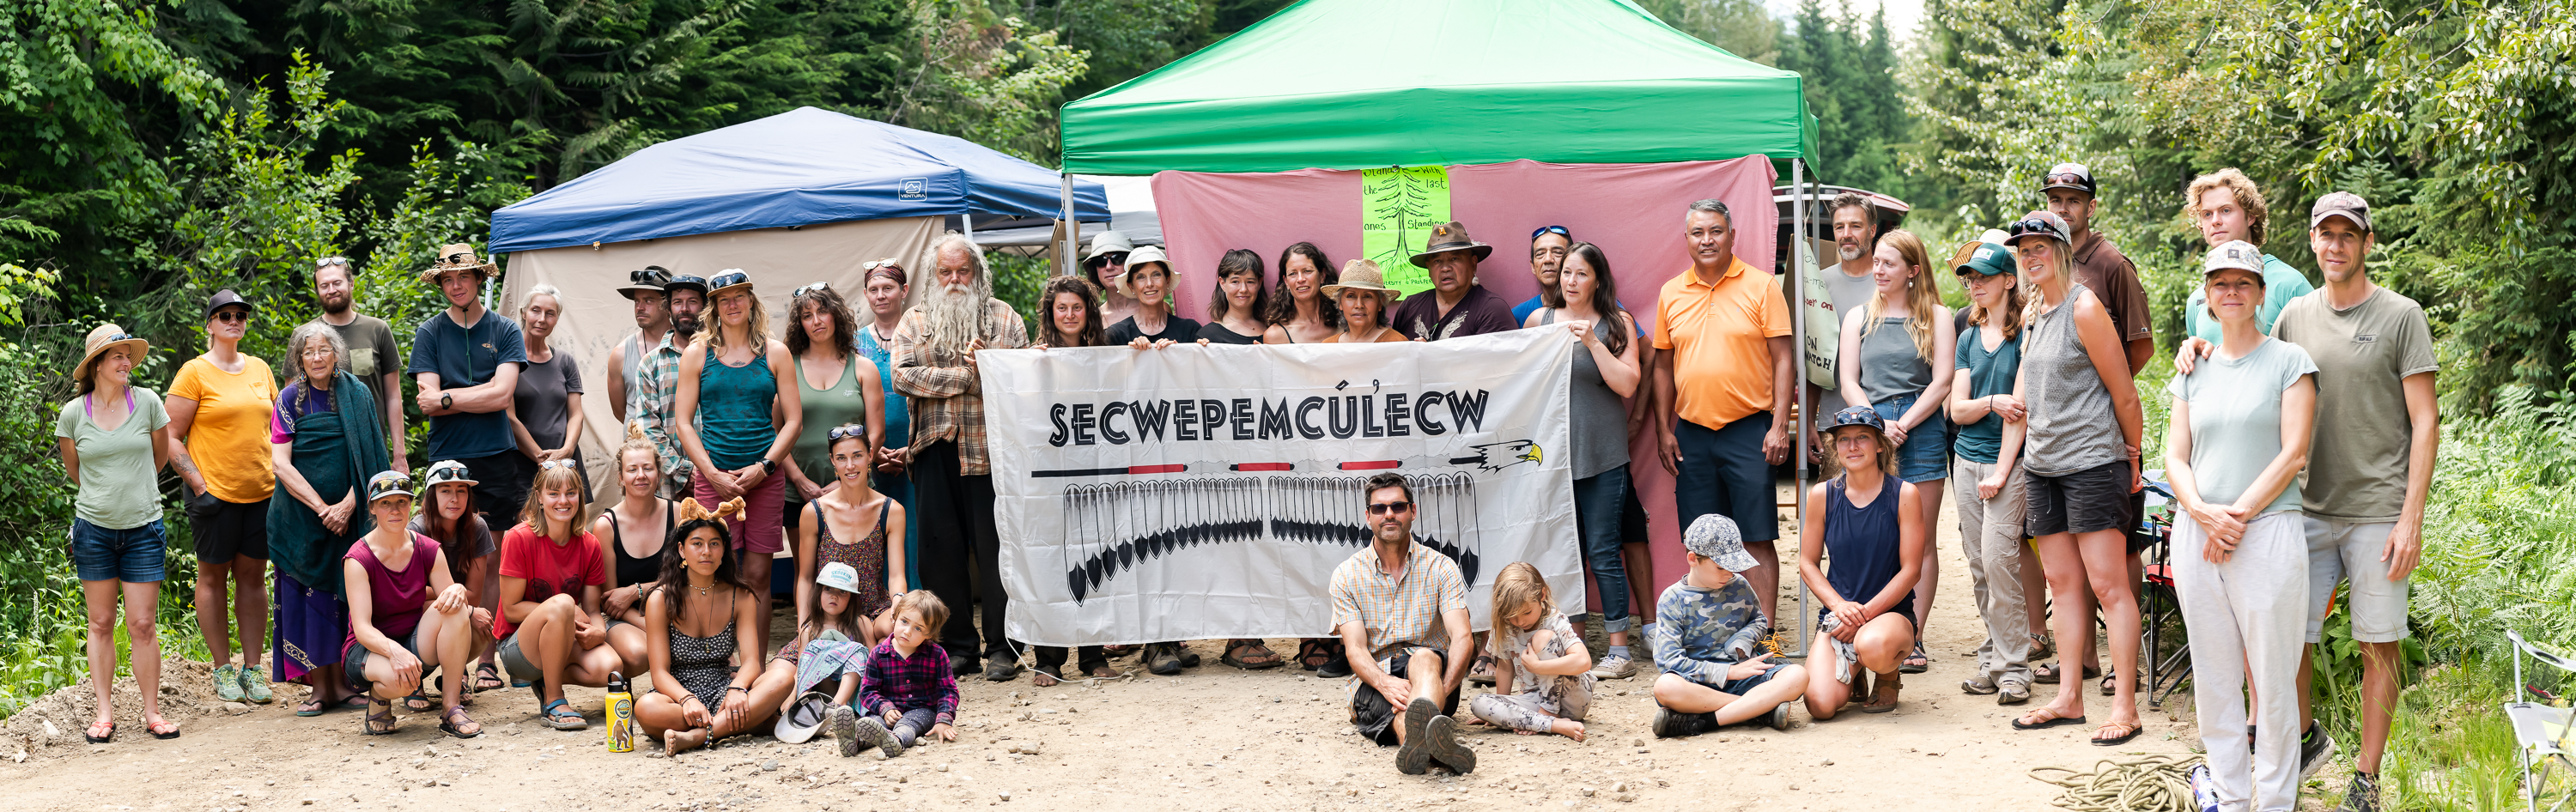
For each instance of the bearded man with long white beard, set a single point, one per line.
(934, 364)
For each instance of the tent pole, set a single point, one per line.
(968, 220)
(1072, 229)
(1798, 324)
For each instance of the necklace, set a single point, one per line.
(703, 591)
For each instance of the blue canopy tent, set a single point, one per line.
(804, 196)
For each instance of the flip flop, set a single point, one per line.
(111, 734)
(2053, 720)
(311, 706)
(2133, 730)
(419, 701)
(1916, 662)
(2047, 674)
(156, 731)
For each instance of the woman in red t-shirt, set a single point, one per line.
(551, 629)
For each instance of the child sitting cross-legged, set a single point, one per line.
(906, 690)
(1709, 623)
(1549, 684)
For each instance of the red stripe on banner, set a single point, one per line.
(1371, 465)
(1264, 466)
(1157, 469)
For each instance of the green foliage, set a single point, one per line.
(991, 80)
(1850, 70)
(1742, 27)
(2451, 751)
(1017, 280)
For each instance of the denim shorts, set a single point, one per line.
(134, 555)
(1925, 456)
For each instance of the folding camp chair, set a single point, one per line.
(2540, 732)
(2159, 606)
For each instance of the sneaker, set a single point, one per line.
(254, 686)
(2362, 795)
(2315, 750)
(1978, 685)
(873, 732)
(1671, 723)
(1780, 716)
(843, 725)
(1444, 747)
(1162, 659)
(1413, 754)
(228, 683)
(1339, 667)
(1614, 667)
(2010, 692)
(1001, 668)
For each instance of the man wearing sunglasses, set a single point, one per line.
(2099, 265)
(466, 360)
(1401, 611)
(373, 357)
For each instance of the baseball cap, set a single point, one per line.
(1982, 259)
(804, 718)
(388, 483)
(838, 576)
(2042, 223)
(686, 282)
(2068, 176)
(1715, 538)
(226, 298)
(2346, 205)
(2234, 255)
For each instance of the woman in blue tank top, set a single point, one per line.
(1870, 523)
(737, 425)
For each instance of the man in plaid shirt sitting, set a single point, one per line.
(1394, 604)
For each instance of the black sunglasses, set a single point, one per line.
(728, 280)
(1556, 230)
(2033, 225)
(1382, 508)
(655, 278)
(233, 316)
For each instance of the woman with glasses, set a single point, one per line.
(113, 438)
(824, 343)
(1300, 313)
(887, 287)
(1888, 344)
(2079, 465)
(1988, 472)
(545, 409)
(220, 404)
(737, 424)
(325, 442)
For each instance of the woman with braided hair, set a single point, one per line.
(701, 613)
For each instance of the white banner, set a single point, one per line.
(1208, 492)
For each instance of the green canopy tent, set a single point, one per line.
(1361, 84)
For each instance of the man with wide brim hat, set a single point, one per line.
(652, 318)
(1363, 276)
(466, 360)
(1458, 306)
(649, 280)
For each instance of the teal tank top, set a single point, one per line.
(734, 405)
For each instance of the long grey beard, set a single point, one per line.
(954, 317)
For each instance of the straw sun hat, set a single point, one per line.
(101, 339)
(1361, 274)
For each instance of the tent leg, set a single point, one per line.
(1072, 229)
(968, 220)
(1798, 284)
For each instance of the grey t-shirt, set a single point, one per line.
(1849, 294)
(371, 354)
(2236, 419)
(542, 397)
(2357, 463)
(1890, 366)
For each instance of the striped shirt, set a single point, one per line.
(923, 680)
(947, 401)
(1398, 610)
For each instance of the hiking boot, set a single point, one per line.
(1162, 659)
(1614, 667)
(2362, 795)
(1413, 754)
(228, 683)
(872, 731)
(1001, 668)
(1189, 659)
(843, 726)
(1671, 723)
(1780, 716)
(1444, 747)
(1882, 694)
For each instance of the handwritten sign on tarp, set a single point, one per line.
(1398, 208)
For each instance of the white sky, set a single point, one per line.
(1901, 14)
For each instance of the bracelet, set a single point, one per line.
(732, 688)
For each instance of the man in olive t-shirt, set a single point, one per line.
(373, 356)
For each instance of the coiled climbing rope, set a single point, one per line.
(2154, 783)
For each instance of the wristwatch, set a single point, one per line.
(446, 401)
(768, 466)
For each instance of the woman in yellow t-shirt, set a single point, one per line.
(220, 404)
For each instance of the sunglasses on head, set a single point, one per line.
(1556, 230)
(1383, 508)
(2068, 178)
(844, 432)
(326, 262)
(550, 465)
(646, 277)
(2032, 225)
(728, 280)
(874, 264)
(818, 286)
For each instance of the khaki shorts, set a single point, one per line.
(2348, 550)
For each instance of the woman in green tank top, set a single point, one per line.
(824, 341)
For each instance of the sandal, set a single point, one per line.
(311, 706)
(380, 718)
(560, 716)
(2110, 681)
(355, 701)
(1251, 655)
(1312, 654)
(1882, 695)
(100, 738)
(2041, 646)
(2128, 730)
(487, 678)
(1915, 663)
(162, 729)
(455, 723)
(2047, 674)
(420, 701)
(2048, 718)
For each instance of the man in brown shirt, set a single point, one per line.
(952, 475)
(2099, 265)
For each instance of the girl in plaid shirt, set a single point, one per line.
(907, 688)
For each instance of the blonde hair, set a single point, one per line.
(1519, 585)
(758, 323)
(636, 440)
(534, 512)
(2248, 197)
(1922, 300)
(1886, 453)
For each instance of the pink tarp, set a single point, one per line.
(1633, 211)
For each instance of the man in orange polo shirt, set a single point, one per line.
(1722, 353)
